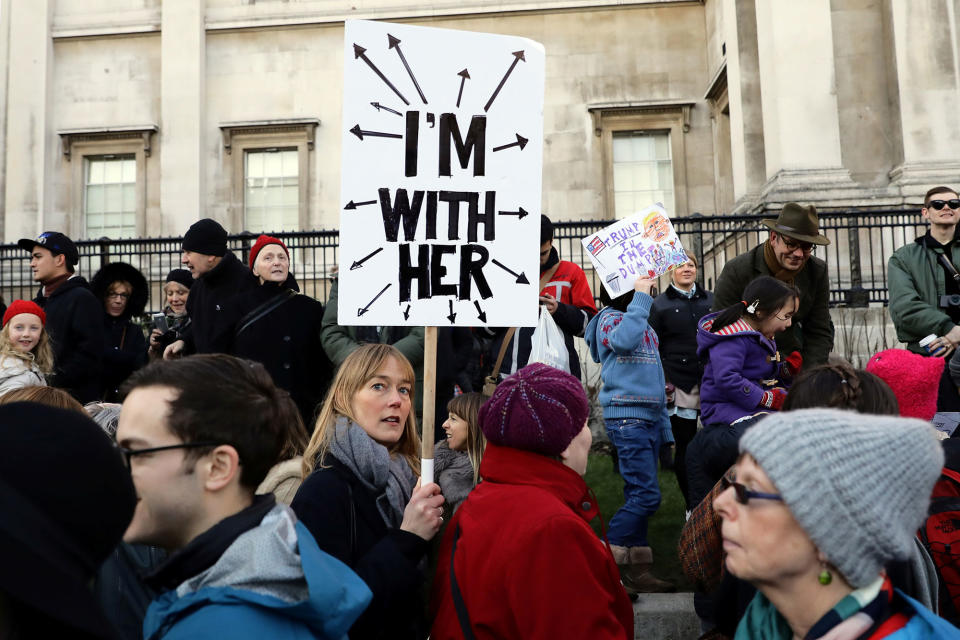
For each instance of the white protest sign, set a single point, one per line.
(441, 173)
(643, 244)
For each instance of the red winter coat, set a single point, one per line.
(527, 563)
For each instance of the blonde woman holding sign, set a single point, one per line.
(361, 497)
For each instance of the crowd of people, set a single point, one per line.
(243, 465)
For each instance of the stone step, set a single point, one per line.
(665, 616)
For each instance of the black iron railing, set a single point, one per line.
(860, 244)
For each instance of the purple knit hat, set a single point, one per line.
(539, 409)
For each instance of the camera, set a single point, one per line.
(950, 301)
(160, 322)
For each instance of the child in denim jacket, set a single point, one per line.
(635, 411)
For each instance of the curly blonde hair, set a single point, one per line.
(41, 354)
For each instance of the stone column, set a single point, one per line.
(800, 119)
(748, 161)
(26, 144)
(183, 118)
(926, 84)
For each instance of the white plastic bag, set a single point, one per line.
(547, 344)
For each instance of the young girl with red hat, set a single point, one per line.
(25, 353)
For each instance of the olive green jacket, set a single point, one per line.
(915, 282)
(811, 332)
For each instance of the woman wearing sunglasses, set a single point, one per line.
(822, 500)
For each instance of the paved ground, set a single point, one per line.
(665, 616)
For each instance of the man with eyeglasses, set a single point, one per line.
(787, 255)
(199, 435)
(924, 287)
(74, 315)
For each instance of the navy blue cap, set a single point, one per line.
(56, 242)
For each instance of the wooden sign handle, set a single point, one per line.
(429, 402)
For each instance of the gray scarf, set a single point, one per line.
(388, 476)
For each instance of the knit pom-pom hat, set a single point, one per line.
(859, 485)
(915, 380)
(539, 409)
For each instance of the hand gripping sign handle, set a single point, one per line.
(429, 402)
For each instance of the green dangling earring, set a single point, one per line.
(825, 577)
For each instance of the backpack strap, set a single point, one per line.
(264, 309)
(352, 524)
(951, 473)
(462, 616)
(940, 505)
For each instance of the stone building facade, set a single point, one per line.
(128, 118)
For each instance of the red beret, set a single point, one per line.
(24, 306)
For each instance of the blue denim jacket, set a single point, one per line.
(627, 348)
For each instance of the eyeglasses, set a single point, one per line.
(792, 245)
(123, 296)
(744, 495)
(940, 204)
(129, 453)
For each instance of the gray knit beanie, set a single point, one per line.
(859, 485)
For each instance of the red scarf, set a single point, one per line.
(52, 285)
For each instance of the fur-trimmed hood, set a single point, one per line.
(115, 271)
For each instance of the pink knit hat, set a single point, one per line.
(539, 409)
(915, 380)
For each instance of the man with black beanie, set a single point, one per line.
(218, 276)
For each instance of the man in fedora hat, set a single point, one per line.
(924, 290)
(787, 255)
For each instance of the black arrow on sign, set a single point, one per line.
(395, 44)
(359, 263)
(464, 76)
(517, 57)
(520, 214)
(357, 131)
(353, 205)
(521, 278)
(452, 315)
(521, 142)
(362, 311)
(406, 313)
(358, 52)
(480, 313)
(378, 106)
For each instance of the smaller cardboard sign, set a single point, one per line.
(644, 243)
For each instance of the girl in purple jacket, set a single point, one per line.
(744, 373)
(744, 376)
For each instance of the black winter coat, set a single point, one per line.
(209, 328)
(287, 342)
(125, 352)
(75, 326)
(329, 500)
(674, 318)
